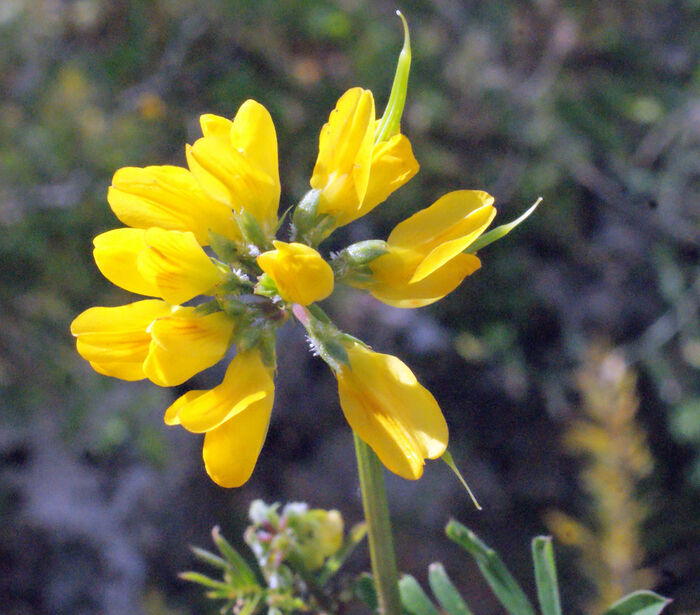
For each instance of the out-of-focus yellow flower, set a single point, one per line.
(151, 339)
(235, 162)
(234, 417)
(426, 258)
(390, 410)
(352, 172)
(299, 272)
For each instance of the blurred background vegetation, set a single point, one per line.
(567, 366)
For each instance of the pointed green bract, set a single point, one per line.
(500, 231)
(447, 458)
(390, 123)
(546, 575)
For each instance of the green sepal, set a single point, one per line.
(267, 347)
(351, 265)
(208, 307)
(266, 286)
(447, 458)
(546, 575)
(502, 583)
(445, 592)
(500, 231)
(390, 124)
(251, 231)
(414, 599)
(308, 226)
(643, 602)
(226, 249)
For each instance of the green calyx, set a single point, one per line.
(390, 123)
(351, 265)
(310, 227)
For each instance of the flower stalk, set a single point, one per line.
(381, 545)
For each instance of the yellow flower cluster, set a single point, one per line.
(205, 237)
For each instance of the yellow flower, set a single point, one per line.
(391, 411)
(299, 272)
(426, 258)
(151, 339)
(169, 198)
(235, 162)
(234, 417)
(167, 264)
(353, 173)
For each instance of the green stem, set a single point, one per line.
(381, 546)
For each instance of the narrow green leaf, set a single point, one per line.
(414, 599)
(251, 605)
(238, 566)
(333, 563)
(642, 602)
(502, 583)
(445, 592)
(196, 577)
(447, 458)
(210, 558)
(546, 575)
(366, 591)
(500, 231)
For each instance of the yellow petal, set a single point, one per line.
(393, 164)
(344, 160)
(246, 381)
(467, 230)
(171, 414)
(253, 134)
(177, 265)
(433, 287)
(116, 253)
(171, 198)
(299, 272)
(391, 411)
(185, 343)
(215, 126)
(240, 169)
(115, 339)
(231, 450)
(444, 220)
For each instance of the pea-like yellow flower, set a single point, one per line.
(352, 172)
(426, 258)
(391, 411)
(235, 162)
(234, 417)
(299, 272)
(151, 339)
(170, 198)
(167, 264)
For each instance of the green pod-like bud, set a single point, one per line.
(390, 124)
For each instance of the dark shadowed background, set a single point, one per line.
(592, 105)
